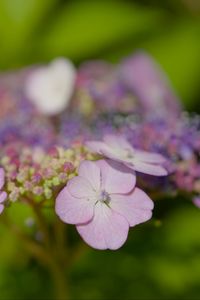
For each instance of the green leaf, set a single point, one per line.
(178, 50)
(85, 29)
(18, 20)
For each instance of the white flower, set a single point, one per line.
(50, 87)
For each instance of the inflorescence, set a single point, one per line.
(43, 144)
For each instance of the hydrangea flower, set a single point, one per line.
(103, 202)
(3, 195)
(145, 79)
(118, 148)
(50, 88)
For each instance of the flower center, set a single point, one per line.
(103, 196)
(128, 154)
(125, 153)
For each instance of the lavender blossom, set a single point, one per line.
(146, 80)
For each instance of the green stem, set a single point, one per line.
(59, 277)
(57, 258)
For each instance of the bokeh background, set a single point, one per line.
(161, 259)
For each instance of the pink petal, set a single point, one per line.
(117, 141)
(116, 178)
(135, 207)
(109, 151)
(148, 168)
(3, 196)
(90, 171)
(96, 146)
(146, 79)
(73, 210)
(149, 157)
(107, 230)
(2, 177)
(79, 187)
(196, 201)
(1, 208)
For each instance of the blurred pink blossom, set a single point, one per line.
(145, 78)
(3, 195)
(196, 201)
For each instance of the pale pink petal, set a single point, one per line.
(136, 207)
(107, 230)
(90, 171)
(147, 168)
(196, 201)
(113, 154)
(96, 146)
(2, 177)
(116, 178)
(3, 196)
(1, 208)
(80, 187)
(149, 157)
(106, 150)
(73, 210)
(117, 141)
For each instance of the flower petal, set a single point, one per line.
(145, 78)
(106, 150)
(73, 210)
(116, 178)
(90, 171)
(107, 230)
(117, 141)
(50, 87)
(136, 207)
(80, 187)
(3, 196)
(2, 177)
(149, 157)
(1, 208)
(96, 146)
(147, 168)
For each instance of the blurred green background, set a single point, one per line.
(161, 260)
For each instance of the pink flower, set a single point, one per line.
(3, 195)
(119, 149)
(196, 201)
(145, 78)
(103, 202)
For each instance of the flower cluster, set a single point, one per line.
(80, 137)
(38, 174)
(103, 201)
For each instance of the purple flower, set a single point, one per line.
(119, 149)
(146, 79)
(196, 201)
(103, 202)
(3, 195)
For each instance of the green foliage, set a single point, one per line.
(157, 262)
(84, 29)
